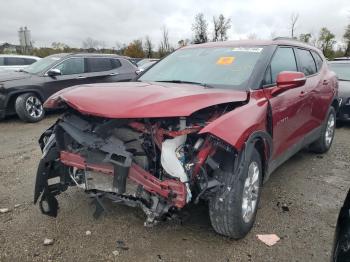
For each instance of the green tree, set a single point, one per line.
(347, 40)
(135, 49)
(200, 28)
(305, 37)
(326, 42)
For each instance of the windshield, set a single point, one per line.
(42, 64)
(342, 70)
(222, 67)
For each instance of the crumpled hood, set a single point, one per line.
(10, 76)
(140, 99)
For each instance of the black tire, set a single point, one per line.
(225, 208)
(29, 108)
(321, 145)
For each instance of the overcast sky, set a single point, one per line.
(122, 21)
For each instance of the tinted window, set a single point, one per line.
(1, 61)
(307, 63)
(283, 60)
(99, 64)
(115, 63)
(29, 61)
(72, 66)
(318, 60)
(12, 61)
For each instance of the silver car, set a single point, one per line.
(16, 62)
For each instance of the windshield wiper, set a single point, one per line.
(340, 79)
(186, 82)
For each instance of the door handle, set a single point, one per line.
(81, 77)
(113, 74)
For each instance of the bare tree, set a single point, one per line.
(183, 42)
(164, 47)
(347, 40)
(293, 21)
(252, 36)
(221, 26)
(90, 43)
(200, 28)
(148, 47)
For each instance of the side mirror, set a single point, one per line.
(139, 71)
(54, 72)
(288, 80)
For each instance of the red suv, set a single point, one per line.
(209, 121)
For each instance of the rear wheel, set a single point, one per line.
(29, 108)
(232, 212)
(324, 142)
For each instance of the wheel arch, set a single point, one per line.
(11, 100)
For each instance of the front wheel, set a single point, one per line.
(233, 210)
(29, 108)
(324, 142)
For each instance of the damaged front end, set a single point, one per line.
(157, 164)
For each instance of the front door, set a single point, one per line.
(290, 110)
(72, 73)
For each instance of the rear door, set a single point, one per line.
(314, 82)
(320, 92)
(104, 69)
(289, 109)
(73, 73)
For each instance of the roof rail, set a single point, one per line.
(285, 38)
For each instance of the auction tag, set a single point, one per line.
(225, 60)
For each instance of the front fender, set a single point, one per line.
(236, 126)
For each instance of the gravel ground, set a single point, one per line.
(312, 186)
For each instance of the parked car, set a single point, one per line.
(342, 68)
(16, 62)
(341, 246)
(209, 121)
(24, 92)
(145, 61)
(145, 66)
(134, 60)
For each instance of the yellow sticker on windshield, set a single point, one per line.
(225, 60)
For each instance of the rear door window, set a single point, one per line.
(96, 64)
(307, 62)
(318, 60)
(283, 60)
(72, 66)
(29, 61)
(2, 61)
(13, 61)
(115, 63)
